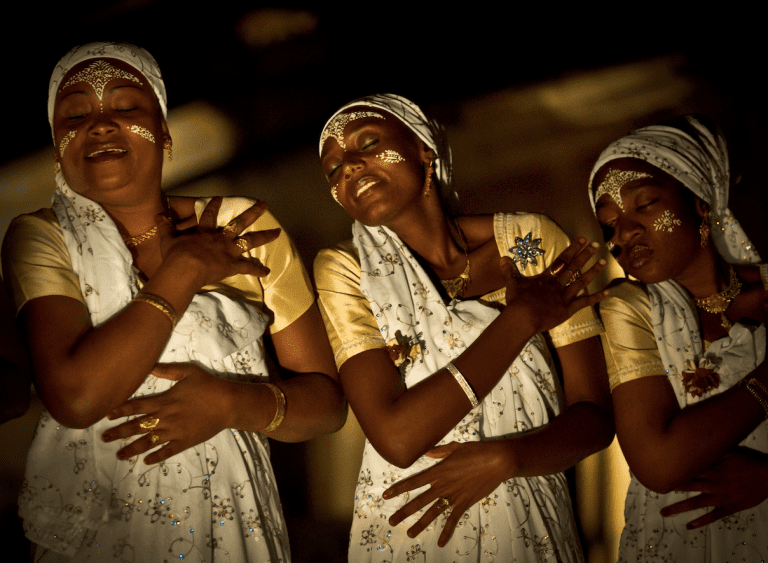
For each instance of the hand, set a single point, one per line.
(469, 472)
(189, 413)
(736, 482)
(216, 253)
(553, 296)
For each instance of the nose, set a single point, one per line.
(626, 229)
(102, 125)
(351, 168)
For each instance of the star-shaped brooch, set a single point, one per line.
(526, 251)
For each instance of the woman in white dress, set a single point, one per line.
(105, 287)
(684, 346)
(440, 325)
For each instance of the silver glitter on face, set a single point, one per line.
(336, 127)
(65, 141)
(142, 132)
(390, 157)
(614, 181)
(98, 75)
(667, 222)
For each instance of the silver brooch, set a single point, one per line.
(526, 251)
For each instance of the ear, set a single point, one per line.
(427, 154)
(164, 127)
(702, 207)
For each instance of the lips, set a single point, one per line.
(105, 153)
(639, 255)
(365, 183)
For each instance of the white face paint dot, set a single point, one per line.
(614, 181)
(336, 126)
(142, 132)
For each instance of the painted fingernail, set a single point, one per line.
(595, 245)
(602, 262)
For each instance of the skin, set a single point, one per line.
(404, 424)
(661, 442)
(184, 256)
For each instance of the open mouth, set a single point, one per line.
(364, 184)
(639, 255)
(105, 153)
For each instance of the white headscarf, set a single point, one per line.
(138, 58)
(429, 131)
(698, 159)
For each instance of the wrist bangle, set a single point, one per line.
(280, 412)
(758, 391)
(160, 304)
(464, 384)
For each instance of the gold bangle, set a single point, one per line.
(464, 384)
(758, 391)
(160, 304)
(280, 412)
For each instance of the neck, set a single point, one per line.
(135, 218)
(706, 275)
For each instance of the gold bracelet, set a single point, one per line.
(464, 384)
(280, 413)
(160, 304)
(758, 391)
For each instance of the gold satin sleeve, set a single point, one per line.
(36, 262)
(628, 342)
(508, 227)
(286, 292)
(347, 314)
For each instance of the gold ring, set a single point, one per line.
(149, 423)
(155, 438)
(231, 227)
(554, 271)
(445, 503)
(576, 275)
(242, 243)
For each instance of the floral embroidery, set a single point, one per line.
(526, 251)
(699, 379)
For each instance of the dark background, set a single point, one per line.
(529, 97)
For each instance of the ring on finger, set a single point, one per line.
(554, 270)
(445, 503)
(230, 227)
(242, 243)
(154, 437)
(149, 423)
(576, 275)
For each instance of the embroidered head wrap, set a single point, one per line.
(698, 158)
(429, 131)
(138, 58)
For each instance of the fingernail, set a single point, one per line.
(106, 437)
(121, 455)
(595, 245)
(602, 262)
(688, 527)
(606, 292)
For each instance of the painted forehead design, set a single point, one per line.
(336, 127)
(613, 182)
(98, 74)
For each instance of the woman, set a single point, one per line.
(105, 289)
(459, 363)
(684, 347)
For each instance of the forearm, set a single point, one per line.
(314, 405)
(581, 430)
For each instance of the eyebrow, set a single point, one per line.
(118, 87)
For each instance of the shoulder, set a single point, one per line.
(38, 228)
(627, 298)
(341, 259)
(233, 206)
(520, 224)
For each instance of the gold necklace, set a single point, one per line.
(719, 302)
(456, 286)
(133, 242)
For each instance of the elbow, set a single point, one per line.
(73, 410)
(659, 474)
(658, 483)
(398, 450)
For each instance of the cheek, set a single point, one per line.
(667, 222)
(142, 132)
(389, 157)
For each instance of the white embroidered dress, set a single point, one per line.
(524, 519)
(217, 501)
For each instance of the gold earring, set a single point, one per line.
(428, 183)
(704, 230)
(168, 145)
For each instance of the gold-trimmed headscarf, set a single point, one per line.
(138, 58)
(697, 157)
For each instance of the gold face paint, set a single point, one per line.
(335, 195)
(98, 74)
(389, 157)
(614, 181)
(142, 132)
(336, 127)
(667, 221)
(65, 141)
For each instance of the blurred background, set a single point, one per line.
(528, 97)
